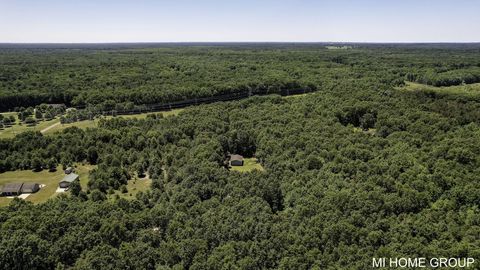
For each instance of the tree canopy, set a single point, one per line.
(357, 169)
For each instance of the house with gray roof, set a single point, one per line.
(12, 189)
(68, 180)
(30, 187)
(236, 160)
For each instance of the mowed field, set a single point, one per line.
(93, 123)
(134, 186)
(52, 126)
(18, 128)
(49, 179)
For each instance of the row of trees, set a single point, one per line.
(31, 115)
(447, 78)
(6, 121)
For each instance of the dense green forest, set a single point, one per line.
(114, 78)
(358, 169)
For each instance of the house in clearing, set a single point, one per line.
(12, 189)
(236, 160)
(68, 180)
(15, 189)
(30, 187)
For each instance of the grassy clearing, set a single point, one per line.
(50, 179)
(81, 124)
(370, 131)
(174, 112)
(10, 132)
(83, 171)
(10, 113)
(134, 186)
(93, 123)
(297, 96)
(468, 89)
(249, 164)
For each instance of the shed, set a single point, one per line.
(69, 170)
(236, 160)
(68, 180)
(12, 189)
(30, 187)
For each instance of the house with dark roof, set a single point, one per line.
(68, 180)
(30, 187)
(236, 160)
(12, 189)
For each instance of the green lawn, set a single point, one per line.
(468, 89)
(370, 131)
(134, 186)
(17, 128)
(249, 164)
(10, 113)
(83, 171)
(81, 124)
(50, 179)
(93, 123)
(10, 132)
(174, 112)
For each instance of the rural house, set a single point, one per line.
(30, 187)
(12, 189)
(236, 160)
(68, 180)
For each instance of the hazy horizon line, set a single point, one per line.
(250, 42)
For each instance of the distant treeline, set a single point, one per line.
(106, 76)
(447, 78)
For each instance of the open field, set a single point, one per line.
(134, 186)
(10, 132)
(93, 123)
(83, 171)
(249, 164)
(10, 113)
(81, 124)
(468, 89)
(50, 127)
(174, 112)
(49, 179)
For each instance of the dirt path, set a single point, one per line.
(49, 127)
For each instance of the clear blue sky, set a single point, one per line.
(239, 20)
